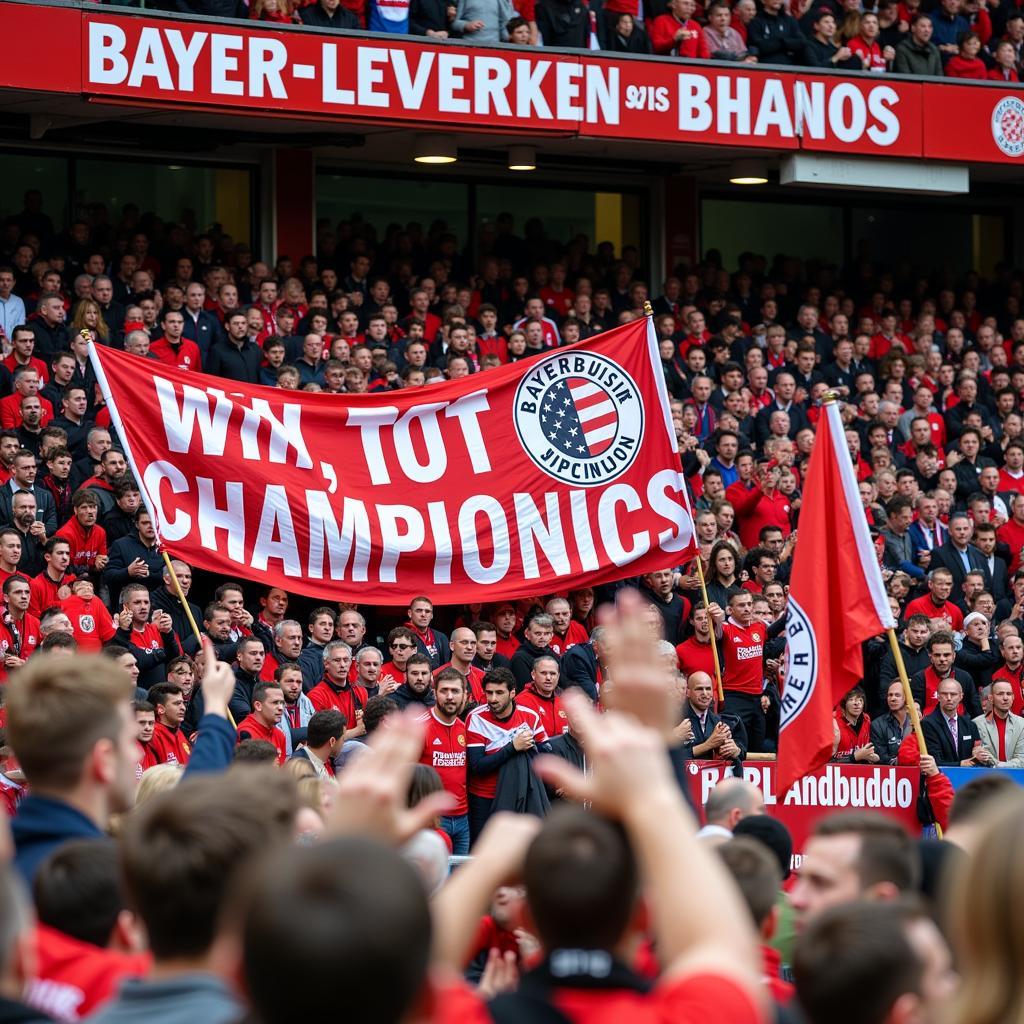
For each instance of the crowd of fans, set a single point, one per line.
(974, 39)
(421, 726)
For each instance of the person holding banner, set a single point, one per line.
(742, 672)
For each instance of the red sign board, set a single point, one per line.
(831, 789)
(299, 73)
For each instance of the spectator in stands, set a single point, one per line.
(723, 41)
(483, 21)
(774, 37)
(917, 54)
(677, 34)
(948, 26)
(328, 14)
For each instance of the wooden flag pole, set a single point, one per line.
(181, 597)
(649, 311)
(901, 669)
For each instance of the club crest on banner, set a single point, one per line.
(580, 418)
(801, 667)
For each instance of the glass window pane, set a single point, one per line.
(383, 201)
(22, 172)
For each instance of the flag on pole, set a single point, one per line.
(836, 601)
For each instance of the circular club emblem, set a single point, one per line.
(580, 418)
(801, 668)
(461, 738)
(1008, 125)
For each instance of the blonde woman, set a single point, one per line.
(157, 779)
(89, 315)
(984, 922)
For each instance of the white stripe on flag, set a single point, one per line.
(600, 433)
(584, 390)
(865, 546)
(594, 411)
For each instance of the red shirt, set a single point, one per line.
(43, 592)
(575, 634)
(743, 649)
(86, 546)
(694, 656)
(326, 695)
(873, 52)
(1016, 680)
(251, 728)
(507, 647)
(91, 623)
(662, 33)
(755, 509)
(10, 412)
(389, 672)
(926, 606)
(1001, 733)
(444, 749)
(169, 745)
(28, 641)
(185, 357)
(12, 364)
(1010, 483)
(550, 709)
(474, 680)
(74, 978)
(690, 999)
(484, 730)
(1012, 533)
(559, 300)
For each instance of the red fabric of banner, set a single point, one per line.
(540, 476)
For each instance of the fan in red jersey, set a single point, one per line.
(541, 695)
(19, 630)
(743, 642)
(500, 734)
(169, 744)
(444, 749)
(264, 722)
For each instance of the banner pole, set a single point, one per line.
(901, 669)
(181, 597)
(649, 312)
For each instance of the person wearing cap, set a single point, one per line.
(977, 654)
(821, 49)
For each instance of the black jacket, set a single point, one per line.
(404, 696)
(122, 553)
(946, 556)
(915, 661)
(939, 739)
(167, 601)
(49, 340)
(519, 790)
(564, 23)
(775, 38)
(240, 704)
(579, 668)
(427, 15)
(523, 659)
(226, 359)
(886, 736)
(152, 664)
(739, 733)
(316, 17)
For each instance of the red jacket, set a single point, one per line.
(85, 547)
(170, 747)
(74, 978)
(251, 728)
(662, 34)
(755, 510)
(91, 623)
(185, 357)
(849, 739)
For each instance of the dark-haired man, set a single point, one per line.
(264, 722)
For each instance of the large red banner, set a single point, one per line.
(828, 790)
(553, 473)
(248, 69)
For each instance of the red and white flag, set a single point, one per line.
(836, 601)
